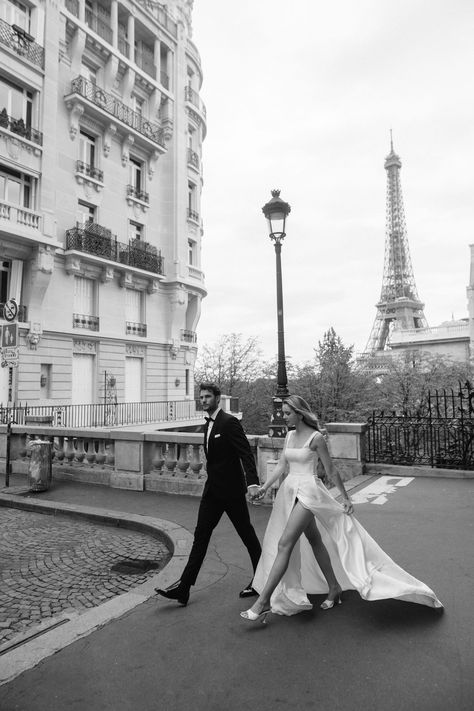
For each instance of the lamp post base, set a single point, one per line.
(277, 426)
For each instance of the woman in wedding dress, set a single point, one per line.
(335, 553)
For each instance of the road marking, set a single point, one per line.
(376, 492)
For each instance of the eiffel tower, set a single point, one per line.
(399, 305)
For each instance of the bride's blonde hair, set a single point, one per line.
(299, 405)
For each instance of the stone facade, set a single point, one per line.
(101, 131)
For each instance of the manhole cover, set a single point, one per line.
(133, 566)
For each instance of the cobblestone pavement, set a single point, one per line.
(52, 564)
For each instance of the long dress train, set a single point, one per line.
(358, 561)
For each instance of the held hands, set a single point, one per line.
(255, 493)
(348, 505)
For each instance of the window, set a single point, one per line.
(4, 281)
(137, 104)
(89, 73)
(133, 306)
(135, 231)
(87, 148)
(191, 134)
(84, 296)
(15, 13)
(191, 196)
(85, 213)
(186, 374)
(45, 380)
(16, 101)
(136, 175)
(16, 188)
(191, 247)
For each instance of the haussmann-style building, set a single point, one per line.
(101, 131)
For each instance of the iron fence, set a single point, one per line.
(439, 435)
(115, 414)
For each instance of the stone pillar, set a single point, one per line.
(131, 36)
(347, 446)
(114, 22)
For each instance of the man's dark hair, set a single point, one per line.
(212, 387)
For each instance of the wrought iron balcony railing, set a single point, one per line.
(188, 336)
(90, 171)
(133, 192)
(193, 215)
(193, 158)
(21, 311)
(99, 241)
(19, 127)
(20, 42)
(135, 329)
(108, 103)
(194, 99)
(99, 25)
(85, 321)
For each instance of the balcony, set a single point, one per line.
(98, 241)
(19, 127)
(188, 336)
(21, 312)
(20, 216)
(145, 60)
(135, 329)
(193, 215)
(160, 13)
(193, 158)
(112, 106)
(136, 194)
(193, 98)
(85, 321)
(19, 41)
(89, 171)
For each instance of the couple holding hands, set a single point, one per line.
(312, 543)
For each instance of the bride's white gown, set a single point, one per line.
(358, 562)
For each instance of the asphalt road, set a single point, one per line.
(380, 656)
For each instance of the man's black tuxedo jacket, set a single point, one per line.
(230, 462)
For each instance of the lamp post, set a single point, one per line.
(276, 211)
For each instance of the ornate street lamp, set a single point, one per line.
(276, 211)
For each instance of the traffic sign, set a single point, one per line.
(9, 335)
(10, 310)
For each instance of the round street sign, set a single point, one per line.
(10, 310)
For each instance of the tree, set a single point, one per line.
(230, 361)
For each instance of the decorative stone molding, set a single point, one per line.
(126, 280)
(174, 349)
(137, 205)
(75, 112)
(16, 146)
(109, 133)
(135, 350)
(82, 346)
(72, 264)
(194, 116)
(107, 274)
(127, 142)
(33, 336)
(152, 161)
(153, 286)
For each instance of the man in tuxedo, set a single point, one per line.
(231, 474)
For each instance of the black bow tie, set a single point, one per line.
(209, 419)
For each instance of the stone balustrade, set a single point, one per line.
(171, 462)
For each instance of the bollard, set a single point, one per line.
(40, 470)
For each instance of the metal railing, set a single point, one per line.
(19, 43)
(102, 414)
(134, 192)
(19, 127)
(194, 99)
(188, 336)
(108, 103)
(135, 329)
(193, 215)
(89, 170)
(85, 321)
(441, 434)
(99, 241)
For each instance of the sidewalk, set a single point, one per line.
(153, 655)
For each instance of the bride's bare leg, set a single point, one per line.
(296, 524)
(322, 556)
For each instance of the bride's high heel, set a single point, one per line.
(328, 604)
(252, 616)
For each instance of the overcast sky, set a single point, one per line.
(301, 96)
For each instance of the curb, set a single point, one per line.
(48, 638)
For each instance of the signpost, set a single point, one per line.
(10, 355)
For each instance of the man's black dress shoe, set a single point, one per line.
(248, 591)
(177, 592)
